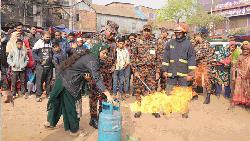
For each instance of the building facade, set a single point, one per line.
(237, 13)
(124, 14)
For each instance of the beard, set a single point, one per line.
(46, 41)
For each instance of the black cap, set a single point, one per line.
(120, 39)
(19, 40)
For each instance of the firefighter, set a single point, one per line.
(179, 61)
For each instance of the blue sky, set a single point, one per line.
(156, 4)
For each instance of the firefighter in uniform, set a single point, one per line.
(179, 60)
(144, 66)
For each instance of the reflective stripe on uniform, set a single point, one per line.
(183, 61)
(181, 74)
(171, 46)
(191, 67)
(170, 74)
(165, 64)
(171, 61)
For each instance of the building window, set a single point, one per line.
(65, 16)
(29, 10)
(77, 17)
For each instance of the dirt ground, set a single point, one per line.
(211, 122)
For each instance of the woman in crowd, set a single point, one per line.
(242, 82)
(65, 98)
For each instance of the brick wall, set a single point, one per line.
(87, 21)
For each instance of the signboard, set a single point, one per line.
(235, 11)
(231, 4)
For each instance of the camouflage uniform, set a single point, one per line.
(106, 71)
(160, 51)
(204, 57)
(144, 61)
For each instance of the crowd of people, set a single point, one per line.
(63, 66)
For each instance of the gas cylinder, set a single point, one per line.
(109, 126)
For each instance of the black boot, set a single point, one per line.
(93, 122)
(207, 100)
(196, 97)
(157, 115)
(199, 89)
(137, 115)
(185, 115)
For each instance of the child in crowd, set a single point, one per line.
(31, 87)
(122, 62)
(18, 60)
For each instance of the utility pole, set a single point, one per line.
(71, 14)
(24, 13)
(212, 24)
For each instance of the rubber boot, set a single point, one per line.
(94, 122)
(199, 89)
(207, 100)
(185, 115)
(157, 115)
(137, 115)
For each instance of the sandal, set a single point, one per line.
(48, 126)
(74, 134)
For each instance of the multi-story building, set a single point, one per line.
(237, 13)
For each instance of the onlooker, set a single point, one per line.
(71, 40)
(122, 63)
(18, 27)
(18, 60)
(87, 44)
(12, 42)
(242, 83)
(79, 42)
(4, 84)
(64, 35)
(43, 55)
(58, 39)
(31, 86)
(59, 56)
(34, 37)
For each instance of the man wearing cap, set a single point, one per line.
(203, 53)
(106, 70)
(107, 66)
(144, 66)
(179, 61)
(160, 51)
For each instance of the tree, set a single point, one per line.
(238, 31)
(189, 11)
(176, 10)
(202, 18)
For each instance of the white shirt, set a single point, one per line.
(122, 58)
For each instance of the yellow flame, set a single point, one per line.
(157, 102)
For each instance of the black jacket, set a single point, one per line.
(73, 78)
(179, 58)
